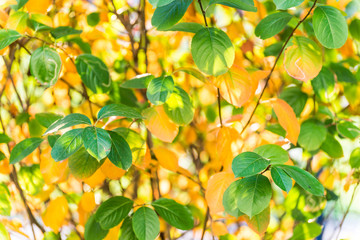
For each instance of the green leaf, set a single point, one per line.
(20, 4)
(52, 139)
(285, 4)
(281, 179)
(113, 211)
(4, 138)
(118, 110)
(93, 19)
(7, 37)
(324, 85)
(135, 141)
(193, 72)
(168, 15)
(273, 49)
(93, 73)
(82, 164)
(97, 142)
(30, 179)
(312, 134)
(126, 230)
(179, 107)
(174, 213)
(190, 27)
(230, 199)
(330, 26)
(84, 46)
(295, 98)
(2, 156)
(354, 29)
(160, 89)
(306, 231)
(348, 129)
(63, 31)
(160, 3)
(5, 203)
(120, 154)
(139, 82)
(355, 158)
(272, 24)
(51, 236)
(67, 144)
(46, 119)
(4, 233)
(93, 230)
(272, 152)
(45, 65)
(254, 194)
(247, 5)
(146, 224)
(68, 121)
(213, 51)
(343, 74)
(248, 164)
(24, 148)
(332, 147)
(259, 222)
(304, 179)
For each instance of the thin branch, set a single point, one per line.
(347, 210)
(205, 222)
(267, 79)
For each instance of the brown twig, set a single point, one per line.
(267, 79)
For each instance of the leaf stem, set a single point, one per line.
(267, 79)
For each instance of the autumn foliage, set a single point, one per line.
(178, 119)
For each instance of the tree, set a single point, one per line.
(173, 119)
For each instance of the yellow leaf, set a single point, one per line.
(287, 119)
(96, 179)
(113, 233)
(55, 213)
(160, 125)
(38, 6)
(225, 137)
(215, 189)
(303, 60)
(166, 158)
(219, 228)
(17, 21)
(52, 172)
(111, 171)
(236, 86)
(87, 201)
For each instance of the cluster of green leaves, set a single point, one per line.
(85, 147)
(252, 193)
(142, 223)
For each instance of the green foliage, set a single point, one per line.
(146, 224)
(248, 164)
(24, 148)
(7, 37)
(45, 65)
(213, 51)
(97, 142)
(118, 110)
(330, 27)
(285, 4)
(174, 213)
(93, 230)
(312, 134)
(113, 211)
(94, 73)
(64, 31)
(272, 24)
(160, 89)
(67, 144)
(120, 154)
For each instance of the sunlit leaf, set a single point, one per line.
(303, 60)
(24, 148)
(7, 37)
(56, 213)
(146, 224)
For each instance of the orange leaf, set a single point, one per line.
(52, 172)
(38, 6)
(167, 158)
(55, 214)
(287, 119)
(225, 137)
(236, 86)
(96, 179)
(160, 125)
(219, 228)
(87, 201)
(111, 171)
(215, 189)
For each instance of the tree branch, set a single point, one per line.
(267, 79)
